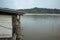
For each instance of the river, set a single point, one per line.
(41, 27)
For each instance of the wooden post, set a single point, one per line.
(16, 28)
(14, 17)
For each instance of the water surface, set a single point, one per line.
(41, 27)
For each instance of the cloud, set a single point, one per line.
(7, 4)
(21, 4)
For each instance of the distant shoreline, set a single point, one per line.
(45, 14)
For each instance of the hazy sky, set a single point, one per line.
(21, 4)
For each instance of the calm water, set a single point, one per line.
(41, 27)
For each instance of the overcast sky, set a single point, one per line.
(22, 4)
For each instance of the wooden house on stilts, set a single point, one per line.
(10, 24)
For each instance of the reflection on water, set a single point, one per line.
(37, 27)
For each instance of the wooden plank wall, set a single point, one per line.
(14, 17)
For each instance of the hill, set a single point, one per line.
(41, 10)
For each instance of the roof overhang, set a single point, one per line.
(10, 12)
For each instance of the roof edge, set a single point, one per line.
(11, 11)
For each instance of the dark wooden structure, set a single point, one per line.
(15, 23)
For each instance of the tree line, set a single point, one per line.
(41, 10)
